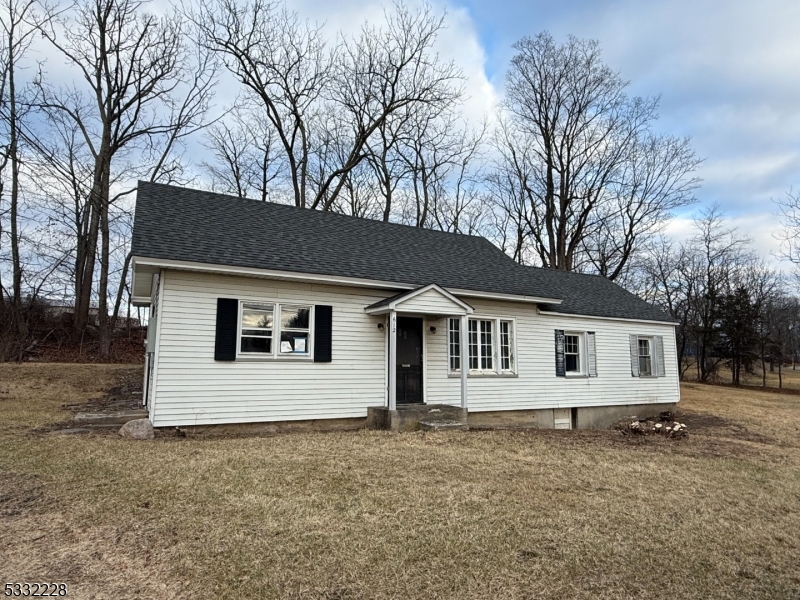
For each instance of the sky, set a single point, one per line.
(727, 73)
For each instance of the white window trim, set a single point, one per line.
(653, 366)
(276, 333)
(496, 371)
(583, 355)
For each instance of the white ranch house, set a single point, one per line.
(262, 312)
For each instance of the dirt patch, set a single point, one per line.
(709, 424)
(124, 394)
(57, 346)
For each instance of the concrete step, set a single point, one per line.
(442, 425)
(408, 417)
(119, 417)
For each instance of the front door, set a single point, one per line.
(409, 360)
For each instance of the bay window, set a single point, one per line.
(490, 343)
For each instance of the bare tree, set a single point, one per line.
(596, 181)
(19, 20)
(141, 90)
(653, 180)
(443, 157)
(245, 156)
(699, 280)
(789, 234)
(325, 105)
(283, 64)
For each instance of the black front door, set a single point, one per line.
(409, 360)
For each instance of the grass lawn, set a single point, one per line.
(791, 377)
(533, 514)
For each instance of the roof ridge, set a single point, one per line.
(314, 211)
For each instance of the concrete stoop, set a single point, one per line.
(411, 417)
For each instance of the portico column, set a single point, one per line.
(392, 360)
(464, 361)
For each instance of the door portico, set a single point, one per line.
(409, 308)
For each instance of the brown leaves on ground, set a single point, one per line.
(504, 514)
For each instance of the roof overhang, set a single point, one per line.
(549, 313)
(144, 267)
(404, 302)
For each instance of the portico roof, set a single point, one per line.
(429, 299)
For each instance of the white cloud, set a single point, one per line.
(457, 42)
(760, 228)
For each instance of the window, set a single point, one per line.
(473, 345)
(454, 343)
(482, 335)
(487, 345)
(506, 346)
(645, 358)
(258, 329)
(294, 329)
(572, 353)
(257, 321)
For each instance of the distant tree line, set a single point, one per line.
(570, 173)
(732, 310)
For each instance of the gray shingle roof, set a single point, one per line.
(594, 295)
(183, 224)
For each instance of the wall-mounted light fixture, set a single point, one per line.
(433, 329)
(381, 326)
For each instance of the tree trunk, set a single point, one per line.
(102, 292)
(123, 280)
(14, 209)
(98, 202)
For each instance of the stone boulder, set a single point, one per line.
(138, 429)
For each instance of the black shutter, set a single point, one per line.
(561, 370)
(227, 326)
(323, 329)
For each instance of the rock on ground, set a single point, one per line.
(138, 429)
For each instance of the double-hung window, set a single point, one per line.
(572, 353)
(258, 329)
(490, 343)
(506, 346)
(454, 344)
(294, 329)
(257, 325)
(645, 357)
(575, 353)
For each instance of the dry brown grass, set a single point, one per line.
(791, 378)
(539, 514)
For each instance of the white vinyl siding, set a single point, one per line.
(194, 389)
(429, 302)
(191, 388)
(535, 384)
